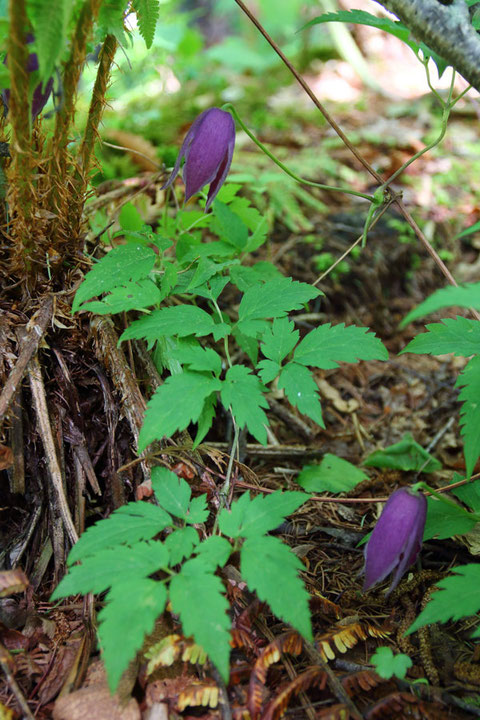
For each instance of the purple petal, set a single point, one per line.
(183, 150)
(222, 173)
(396, 538)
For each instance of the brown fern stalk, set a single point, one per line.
(65, 116)
(20, 175)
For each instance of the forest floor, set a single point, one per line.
(366, 406)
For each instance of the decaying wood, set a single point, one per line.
(36, 329)
(45, 431)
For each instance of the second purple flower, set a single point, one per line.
(208, 151)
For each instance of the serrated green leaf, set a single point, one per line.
(175, 404)
(332, 474)
(245, 277)
(460, 336)
(49, 22)
(388, 665)
(111, 20)
(180, 320)
(242, 392)
(458, 597)
(275, 298)
(247, 518)
(267, 564)
(404, 455)
(229, 226)
(247, 343)
(469, 381)
(147, 17)
(445, 521)
(268, 370)
(129, 524)
(197, 510)
(250, 328)
(107, 567)
(279, 339)
(190, 352)
(329, 344)
(197, 596)
(180, 544)
(125, 263)
(133, 605)
(464, 296)
(205, 270)
(132, 296)
(214, 551)
(172, 492)
(301, 391)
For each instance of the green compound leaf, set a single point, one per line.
(180, 320)
(248, 518)
(266, 565)
(469, 381)
(388, 665)
(245, 277)
(242, 392)
(464, 296)
(133, 605)
(214, 551)
(198, 510)
(328, 344)
(175, 404)
(147, 16)
(275, 298)
(189, 352)
(197, 596)
(206, 419)
(130, 262)
(404, 455)
(127, 525)
(180, 544)
(301, 391)
(268, 370)
(332, 474)
(279, 339)
(132, 296)
(460, 336)
(108, 567)
(458, 597)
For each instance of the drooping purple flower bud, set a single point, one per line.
(208, 151)
(41, 93)
(396, 539)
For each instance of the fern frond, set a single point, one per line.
(147, 16)
(469, 381)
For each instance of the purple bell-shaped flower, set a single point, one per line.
(41, 92)
(396, 539)
(208, 151)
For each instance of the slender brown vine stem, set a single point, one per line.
(409, 219)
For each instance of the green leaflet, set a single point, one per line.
(127, 525)
(275, 298)
(248, 517)
(458, 597)
(332, 474)
(328, 344)
(242, 392)
(197, 597)
(174, 495)
(133, 604)
(268, 564)
(175, 404)
(125, 263)
(465, 296)
(460, 336)
(301, 391)
(469, 381)
(279, 339)
(147, 16)
(388, 665)
(180, 320)
(49, 20)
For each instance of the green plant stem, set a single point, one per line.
(231, 108)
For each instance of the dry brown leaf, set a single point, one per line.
(330, 393)
(312, 677)
(345, 637)
(199, 693)
(12, 581)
